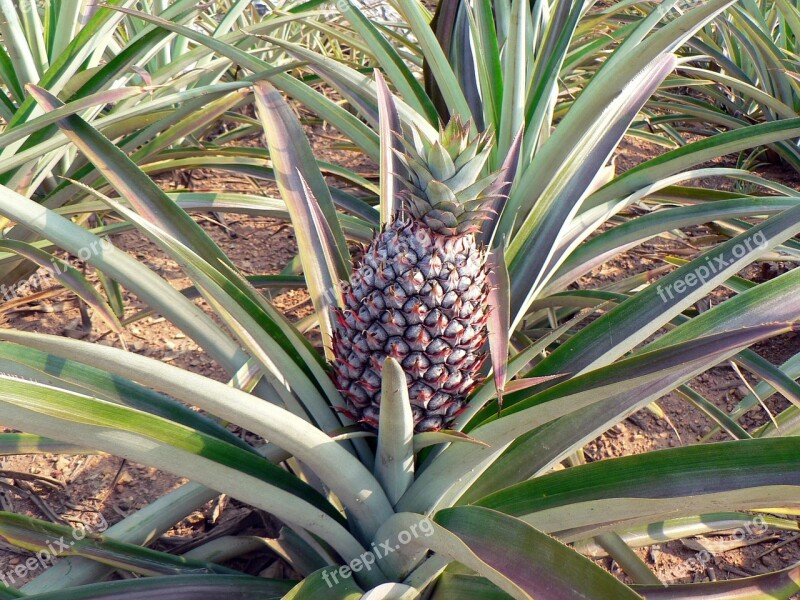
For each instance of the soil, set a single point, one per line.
(98, 489)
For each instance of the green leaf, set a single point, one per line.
(328, 583)
(68, 276)
(394, 459)
(616, 240)
(124, 268)
(490, 70)
(547, 69)
(444, 436)
(780, 585)
(391, 166)
(323, 249)
(279, 348)
(145, 196)
(85, 379)
(640, 316)
(519, 559)
(693, 154)
(18, 49)
(7, 593)
(178, 587)
(633, 490)
(142, 527)
(336, 115)
(344, 474)
(396, 70)
(391, 591)
(534, 251)
(499, 318)
(91, 413)
(151, 440)
(414, 15)
(515, 76)
(686, 527)
(27, 443)
(36, 535)
(626, 558)
(455, 586)
(576, 411)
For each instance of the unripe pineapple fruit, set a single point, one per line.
(420, 292)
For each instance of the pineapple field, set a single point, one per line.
(399, 299)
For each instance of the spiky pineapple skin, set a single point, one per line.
(420, 297)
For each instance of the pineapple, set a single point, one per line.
(420, 292)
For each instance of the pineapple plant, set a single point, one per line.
(420, 292)
(486, 512)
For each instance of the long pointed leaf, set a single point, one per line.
(391, 166)
(394, 460)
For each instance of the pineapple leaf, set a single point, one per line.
(413, 13)
(28, 443)
(34, 535)
(600, 395)
(323, 249)
(391, 166)
(500, 191)
(533, 251)
(526, 382)
(68, 276)
(780, 585)
(520, 560)
(153, 440)
(325, 583)
(391, 591)
(142, 526)
(443, 436)
(499, 318)
(175, 587)
(33, 365)
(635, 319)
(394, 460)
(124, 268)
(440, 163)
(145, 196)
(396, 70)
(515, 72)
(630, 488)
(325, 239)
(340, 470)
(347, 123)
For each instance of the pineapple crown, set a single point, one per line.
(444, 188)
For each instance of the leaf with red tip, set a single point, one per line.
(500, 190)
(325, 235)
(443, 436)
(499, 318)
(391, 166)
(322, 247)
(519, 559)
(527, 382)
